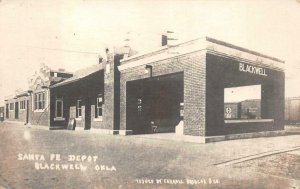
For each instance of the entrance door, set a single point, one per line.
(87, 114)
(17, 110)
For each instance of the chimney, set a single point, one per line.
(164, 40)
(171, 39)
(127, 45)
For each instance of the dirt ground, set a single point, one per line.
(137, 162)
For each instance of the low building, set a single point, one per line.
(90, 97)
(32, 106)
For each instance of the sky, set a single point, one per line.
(72, 34)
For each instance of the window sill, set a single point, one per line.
(98, 119)
(249, 121)
(78, 119)
(39, 110)
(59, 119)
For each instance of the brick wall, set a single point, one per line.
(111, 93)
(194, 69)
(224, 73)
(87, 88)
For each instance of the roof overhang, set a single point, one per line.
(207, 45)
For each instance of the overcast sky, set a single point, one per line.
(70, 34)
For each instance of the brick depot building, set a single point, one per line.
(178, 89)
(183, 86)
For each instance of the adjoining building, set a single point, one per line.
(186, 83)
(91, 96)
(16, 107)
(32, 106)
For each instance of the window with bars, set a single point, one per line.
(78, 108)
(39, 101)
(99, 104)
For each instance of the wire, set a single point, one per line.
(63, 50)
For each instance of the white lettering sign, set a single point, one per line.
(252, 69)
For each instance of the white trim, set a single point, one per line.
(78, 118)
(98, 119)
(39, 110)
(249, 121)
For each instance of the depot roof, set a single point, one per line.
(80, 74)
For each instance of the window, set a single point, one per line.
(99, 104)
(78, 108)
(22, 105)
(242, 102)
(39, 101)
(11, 106)
(139, 106)
(59, 108)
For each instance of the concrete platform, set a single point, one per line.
(244, 136)
(209, 139)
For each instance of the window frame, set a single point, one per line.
(98, 108)
(78, 108)
(39, 99)
(22, 105)
(11, 106)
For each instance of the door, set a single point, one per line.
(27, 111)
(7, 111)
(17, 110)
(87, 114)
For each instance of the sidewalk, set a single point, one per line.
(22, 124)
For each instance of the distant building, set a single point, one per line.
(292, 110)
(32, 106)
(2, 113)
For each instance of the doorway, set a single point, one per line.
(154, 104)
(87, 122)
(16, 110)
